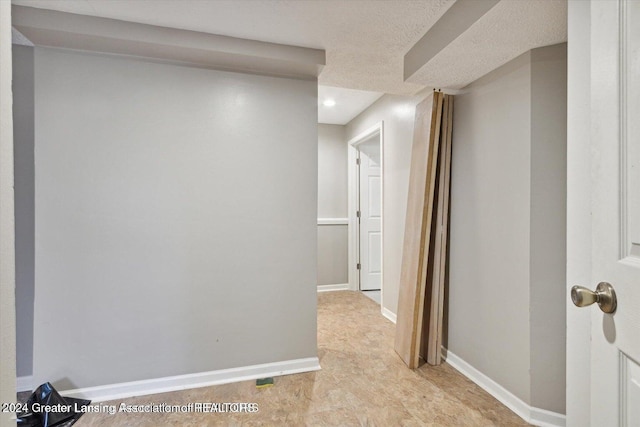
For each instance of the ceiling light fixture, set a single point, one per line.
(329, 103)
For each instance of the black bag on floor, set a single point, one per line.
(64, 410)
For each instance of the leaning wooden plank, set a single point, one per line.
(429, 215)
(434, 268)
(434, 353)
(424, 339)
(417, 229)
(413, 235)
(445, 228)
(435, 246)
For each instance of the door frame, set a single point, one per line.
(579, 227)
(353, 229)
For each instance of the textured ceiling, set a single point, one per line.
(365, 40)
(508, 30)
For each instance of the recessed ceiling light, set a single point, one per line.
(329, 103)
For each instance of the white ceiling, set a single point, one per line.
(365, 40)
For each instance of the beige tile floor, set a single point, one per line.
(376, 296)
(362, 383)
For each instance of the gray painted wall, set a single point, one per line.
(332, 254)
(7, 224)
(548, 226)
(489, 238)
(397, 112)
(332, 203)
(175, 219)
(508, 205)
(332, 171)
(23, 134)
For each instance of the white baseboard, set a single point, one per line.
(329, 288)
(202, 379)
(389, 314)
(333, 221)
(532, 415)
(542, 417)
(24, 383)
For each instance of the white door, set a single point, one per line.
(615, 214)
(370, 192)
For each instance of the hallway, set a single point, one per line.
(362, 383)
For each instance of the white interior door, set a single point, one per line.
(615, 211)
(370, 236)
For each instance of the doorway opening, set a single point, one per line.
(366, 213)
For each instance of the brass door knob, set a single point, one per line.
(604, 295)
